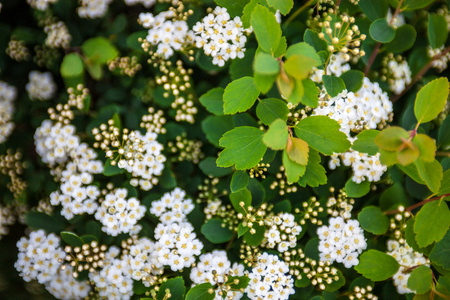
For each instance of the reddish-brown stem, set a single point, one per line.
(338, 2)
(378, 45)
(420, 74)
(410, 208)
(442, 153)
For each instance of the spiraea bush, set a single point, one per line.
(224, 149)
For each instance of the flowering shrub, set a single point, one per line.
(224, 149)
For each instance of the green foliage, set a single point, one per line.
(239, 181)
(72, 66)
(175, 286)
(381, 31)
(200, 292)
(71, 239)
(284, 6)
(240, 95)
(431, 100)
(276, 137)
(216, 231)
(437, 30)
(322, 134)
(315, 173)
(373, 220)
(266, 64)
(266, 28)
(39, 220)
(242, 196)
(404, 39)
(374, 9)
(432, 222)
(356, 190)
(353, 80)
(270, 109)
(365, 142)
(376, 265)
(440, 253)
(293, 170)
(334, 85)
(420, 279)
(213, 101)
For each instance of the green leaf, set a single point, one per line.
(315, 173)
(353, 80)
(210, 168)
(391, 138)
(388, 158)
(445, 184)
(110, 170)
(255, 239)
(72, 66)
(266, 64)
(312, 38)
(95, 70)
(216, 231)
(408, 154)
(297, 150)
(239, 95)
(304, 49)
(99, 50)
(432, 222)
(234, 7)
(393, 197)
(376, 265)
(444, 133)
(381, 31)
(266, 28)
(374, 9)
(404, 39)
(416, 4)
(311, 93)
(365, 142)
(427, 147)
(40, 220)
(264, 83)
(420, 279)
(431, 100)
(276, 137)
(284, 6)
(373, 220)
(71, 239)
(176, 287)
(322, 134)
(297, 92)
(244, 148)
(441, 252)
(215, 126)
(242, 282)
(201, 292)
(299, 66)
(411, 236)
(411, 171)
(247, 13)
(437, 30)
(270, 109)
(213, 100)
(333, 286)
(242, 229)
(431, 173)
(241, 196)
(357, 190)
(239, 181)
(292, 169)
(334, 85)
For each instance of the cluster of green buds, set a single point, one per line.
(209, 192)
(258, 170)
(154, 121)
(310, 210)
(397, 224)
(17, 50)
(281, 184)
(78, 96)
(362, 293)
(340, 205)
(185, 149)
(11, 165)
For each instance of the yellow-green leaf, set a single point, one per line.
(431, 100)
(427, 147)
(297, 150)
(277, 135)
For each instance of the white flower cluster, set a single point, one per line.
(341, 241)
(77, 194)
(40, 4)
(119, 215)
(400, 75)
(8, 94)
(441, 63)
(168, 35)
(172, 207)
(113, 281)
(55, 142)
(283, 232)
(6, 218)
(148, 164)
(142, 260)
(38, 257)
(65, 287)
(146, 3)
(364, 166)
(364, 109)
(40, 85)
(213, 268)
(270, 279)
(337, 65)
(58, 35)
(176, 242)
(176, 245)
(93, 8)
(221, 37)
(407, 258)
(342, 208)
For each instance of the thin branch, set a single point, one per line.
(410, 208)
(298, 11)
(443, 153)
